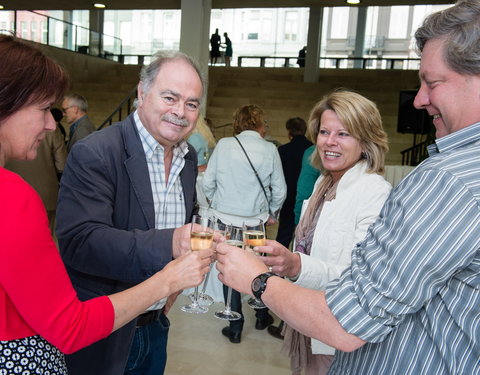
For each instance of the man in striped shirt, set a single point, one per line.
(410, 302)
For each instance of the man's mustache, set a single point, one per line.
(175, 120)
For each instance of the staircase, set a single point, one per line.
(282, 94)
(105, 91)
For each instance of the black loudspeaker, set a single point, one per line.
(410, 119)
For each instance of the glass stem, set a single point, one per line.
(204, 288)
(229, 300)
(195, 297)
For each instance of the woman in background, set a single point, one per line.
(40, 314)
(203, 142)
(235, 193)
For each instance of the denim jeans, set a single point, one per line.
(148, 354)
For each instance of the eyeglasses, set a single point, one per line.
(65, 109)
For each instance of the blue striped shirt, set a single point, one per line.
(413, 289)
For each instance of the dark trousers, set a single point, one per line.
(286, 228)
(236, 305)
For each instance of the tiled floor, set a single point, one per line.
(197, 347)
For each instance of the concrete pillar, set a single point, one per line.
(194, 32)
(314, 40)
(96, 32)
(360, 36)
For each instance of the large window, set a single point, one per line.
(339, 28)
(398, 22)
(291, 26)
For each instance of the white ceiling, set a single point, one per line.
(176, 4)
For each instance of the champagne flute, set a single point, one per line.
(235, 239)
(203, 298)
(201, 237)
(254, 235)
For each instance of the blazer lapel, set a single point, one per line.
(137, 170)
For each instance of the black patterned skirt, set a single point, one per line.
(31, 355)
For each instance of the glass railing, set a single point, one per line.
(41, 28)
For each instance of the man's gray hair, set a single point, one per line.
(149, 72)
(459, 26)
(77, 100)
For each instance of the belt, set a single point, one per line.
(148, 317)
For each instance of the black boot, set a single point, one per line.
(276, 331)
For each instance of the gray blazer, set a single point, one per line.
(85, 127)
(106, 229)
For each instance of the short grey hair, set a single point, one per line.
(459, 26)
(78, 101)
(149, 72)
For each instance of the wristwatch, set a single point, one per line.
(260, 283)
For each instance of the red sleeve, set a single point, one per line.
(34, 278)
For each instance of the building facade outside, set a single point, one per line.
(253, 32)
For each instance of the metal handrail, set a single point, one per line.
(95, 40)
(416, 154)
(345, 62)
(128, 100)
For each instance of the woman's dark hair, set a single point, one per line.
(27, 76)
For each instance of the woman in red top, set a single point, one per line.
(40, 314)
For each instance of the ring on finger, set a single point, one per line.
(270, 268)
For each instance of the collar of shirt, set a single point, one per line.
(459, 138)
(151, 145)
(75, 124)
(250, 133)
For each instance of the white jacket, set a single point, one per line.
(343, 223)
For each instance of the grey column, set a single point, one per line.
(96, 32)
(194, 33)
(314, 40)
(360, 36)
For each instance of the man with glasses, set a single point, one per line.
(74, 108)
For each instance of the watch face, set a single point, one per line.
(257, 284)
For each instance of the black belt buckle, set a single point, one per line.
(148, 317)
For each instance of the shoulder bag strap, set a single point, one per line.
(254, 171)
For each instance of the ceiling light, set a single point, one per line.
(353, 2)
(99, 5)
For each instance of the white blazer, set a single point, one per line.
(343, 223)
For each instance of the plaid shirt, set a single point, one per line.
(168, 199)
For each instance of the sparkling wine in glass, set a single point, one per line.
(234, 239)
(203, 298)
(254, 235)
(201, 237)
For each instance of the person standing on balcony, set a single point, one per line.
(228, 50)
(126, 194)
(302, 55)
(75, 107)
(214, 47)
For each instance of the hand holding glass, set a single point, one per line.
(201, 237)
(254, 235)
(234, 239)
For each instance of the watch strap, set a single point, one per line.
(259, 284)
